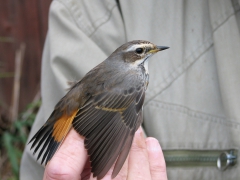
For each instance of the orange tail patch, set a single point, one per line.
(62, 126)
(51, 135)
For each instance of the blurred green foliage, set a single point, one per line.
(13, 140)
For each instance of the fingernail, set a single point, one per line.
(153, 144)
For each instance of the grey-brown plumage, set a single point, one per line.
(105, 107)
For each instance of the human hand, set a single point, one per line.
(145, 161)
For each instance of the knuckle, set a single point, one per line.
(56, 173)
(158, 168)
(138, 147)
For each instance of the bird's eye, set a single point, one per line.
(139, 50)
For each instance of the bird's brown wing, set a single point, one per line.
(108, 122)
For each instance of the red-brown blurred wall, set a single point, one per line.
(21, 21)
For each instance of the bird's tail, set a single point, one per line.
(49, 137)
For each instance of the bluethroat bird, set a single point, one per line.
(105, 107)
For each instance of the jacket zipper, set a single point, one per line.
(222, 159)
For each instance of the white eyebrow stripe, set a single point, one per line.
(133, 47)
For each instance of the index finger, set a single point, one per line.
(156, 159)
(69, 161)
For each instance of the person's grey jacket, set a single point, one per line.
(193, 99)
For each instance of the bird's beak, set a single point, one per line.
(161, 48)
(158, 48)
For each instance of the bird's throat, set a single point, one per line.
(145, 65)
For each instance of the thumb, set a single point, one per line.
(69, 161)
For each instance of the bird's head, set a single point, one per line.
(137, 52)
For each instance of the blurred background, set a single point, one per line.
(23, 27)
